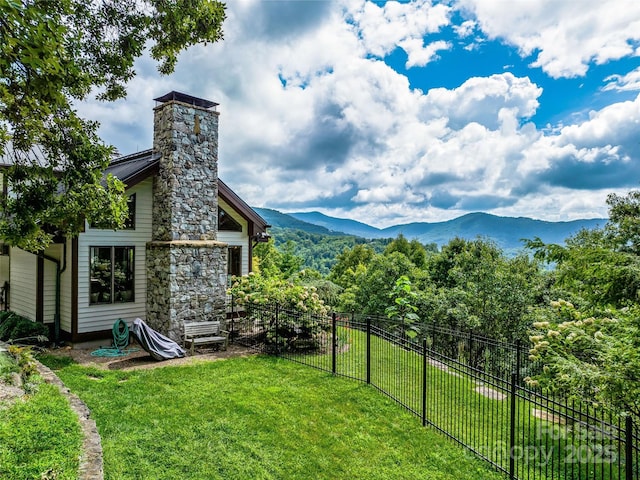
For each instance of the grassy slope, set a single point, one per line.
(259, 418)
(39, 437)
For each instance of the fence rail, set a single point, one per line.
(467, 386)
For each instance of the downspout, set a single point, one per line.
(59, 272)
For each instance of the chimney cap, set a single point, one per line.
(184, 98)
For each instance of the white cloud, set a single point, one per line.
(404, 25)
(465, 29)
(628, 82)
(419, 54)
(309, 120)
(565, 37)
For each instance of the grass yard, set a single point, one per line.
(475, 412)
(39, 437)
(258, 418)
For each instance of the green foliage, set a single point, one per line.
(473, 285)
(328, 291)
(53, 54)
(320, 251)
(590, 357)
(255, 288)
(290, 327)
(374, 286)
(589, 347)
(17, 327)
(402, 309)
(8, 365)
(27, 366)
(413, 250)
(40, 438)
(623, 228)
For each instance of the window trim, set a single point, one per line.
(238, 249)
(112, 293)
(130, 222)
(231, 225)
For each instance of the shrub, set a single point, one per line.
(299, 310)
(16, 327)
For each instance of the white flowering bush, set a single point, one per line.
(302, 315)
(593, 357)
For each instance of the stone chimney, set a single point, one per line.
(186, 266)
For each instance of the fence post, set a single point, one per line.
(276, 330)
(334, 342)
(512, 427)
(233, 318)
(424, 382)
(518, 356)
(628, 448)
(368, 353)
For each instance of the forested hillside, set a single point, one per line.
(319, 251)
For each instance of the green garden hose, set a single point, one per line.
(120, 333)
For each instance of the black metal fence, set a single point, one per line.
(467, 386)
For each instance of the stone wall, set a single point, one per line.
(188, 281)
(186, 267)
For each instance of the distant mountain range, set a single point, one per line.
(507, 232)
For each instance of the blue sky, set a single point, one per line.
(388, 112)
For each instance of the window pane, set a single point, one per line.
(123, 268)
(234, 261)
(227, 222)
(100, 275)
(130, 222)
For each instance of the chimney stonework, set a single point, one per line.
(186, 266)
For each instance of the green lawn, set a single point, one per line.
(39, 437)
(259, 418)
(455, 405)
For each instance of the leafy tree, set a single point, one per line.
(593, 357)
(623, 228)
(474, 286)
(274, 263)
(52, 54)
(290, 263)
(589, 347)
(402, 309)
(348, 262)
(372, 295)
(413, 250)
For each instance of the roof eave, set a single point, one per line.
(241, 206)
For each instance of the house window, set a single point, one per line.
(227, 222)
(130, 222)
(234, 261)
(111, 273)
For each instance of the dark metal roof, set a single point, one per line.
(184, 98)
(136, 167)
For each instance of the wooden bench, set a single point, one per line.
(205, 333)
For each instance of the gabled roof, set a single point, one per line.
(132, 169)
(241, 206)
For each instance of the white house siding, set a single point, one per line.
(92, 318)
(49, 290)
(236, 238)
(65, 291)
(22, 293)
